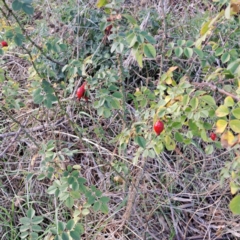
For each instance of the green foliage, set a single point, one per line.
(25, 5)
(30, 225)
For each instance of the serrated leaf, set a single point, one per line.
(235, 125)
(222, 111)
(149, 50)
(221, 126)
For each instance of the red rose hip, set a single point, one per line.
(4, 44)
(213, 136)
(158, 127)
(81, 91)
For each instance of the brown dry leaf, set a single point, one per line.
(33, 160)
(114, 17)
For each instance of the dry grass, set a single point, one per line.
(175, 196)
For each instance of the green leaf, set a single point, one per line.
(61, 226)
(178, 51)
(209, 100)
(130, 19)
(188, 52)
(140, 141)
(75, 235)
(27, 8)
(149, 38)
(52, 189)
(101, 3)
(36, 228)
(189, 43)
(194, 103)
(117, 95)
(131, 39)
(209, 149)
(18, 39)
(104, 208)
(1, 52)
(169, 143)
(139, 58)
(179, 137)
(234, 66)
(24, 228)
(219, 51)
(180, 42)
(228, 101)
(236, 113)
(16, 5)
(25, 221)
(149, 50)
(24, 235)
(37, 220)
(65, 236)
(96, 206)
(235, 205)
(33, 236)
(85, 212)
(104, 199)
(199, 52)
(30, 213)
(70, 224)
(222, 111)
(225, 57)
(235, 125)
(69, 202)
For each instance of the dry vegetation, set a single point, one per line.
(177, 195)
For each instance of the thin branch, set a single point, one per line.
(30, 40)
(215, 88)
